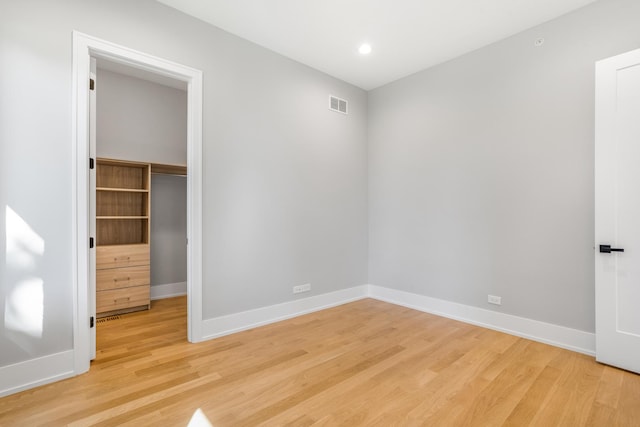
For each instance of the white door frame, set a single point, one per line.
(85, 47)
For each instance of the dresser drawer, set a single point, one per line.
(122, 256)
(123, 277)
(117, 299)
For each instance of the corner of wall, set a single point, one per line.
(547, 333)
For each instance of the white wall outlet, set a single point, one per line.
(492, 299)
(302, 288)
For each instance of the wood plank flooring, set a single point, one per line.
(367, 363)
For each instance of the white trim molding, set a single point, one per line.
(168, 290)
(232, 323)
(558, 336)
(36, 372)
(43, 370)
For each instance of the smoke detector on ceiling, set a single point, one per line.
(338, 105)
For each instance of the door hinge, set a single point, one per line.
(92, 84)
(91, 322)
(90, 242)
(91, 163)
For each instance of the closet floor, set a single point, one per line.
(363, 363)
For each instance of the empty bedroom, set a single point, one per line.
(295, 212)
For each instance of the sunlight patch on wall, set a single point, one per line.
(23, 244)
(24, 304)
(24, 307)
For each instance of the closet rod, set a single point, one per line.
(158, 168)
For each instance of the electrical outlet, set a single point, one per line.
(492, 299)
(302, 288)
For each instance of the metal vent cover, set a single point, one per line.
(338, 105)
(108, 318)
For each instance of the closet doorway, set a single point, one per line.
(114, 59)
(140, 190)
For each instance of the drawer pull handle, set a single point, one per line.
(121, 300)
(121, 258)
(121, 279)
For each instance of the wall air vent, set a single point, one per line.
(337, 104)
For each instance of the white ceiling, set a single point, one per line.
(406, 35)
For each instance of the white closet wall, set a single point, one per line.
(145, 121)
(140, 120)
(168, 230)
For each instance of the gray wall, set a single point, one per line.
(284, 178)
(481, 170)
(140, 120)
(145, 121)
(168, 229)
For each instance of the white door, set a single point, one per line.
(617, 211)
(91, 292)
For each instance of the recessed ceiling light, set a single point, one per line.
(365, 49)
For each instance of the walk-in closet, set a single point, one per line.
(140, 189)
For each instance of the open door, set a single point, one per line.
(617, 211)
(91, 294)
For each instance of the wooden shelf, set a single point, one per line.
(122, 217)
(115, 174)
(130, 245)
(164, 169)
(123, 190)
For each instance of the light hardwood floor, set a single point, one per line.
(365, 363)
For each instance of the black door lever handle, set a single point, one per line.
(607, 249)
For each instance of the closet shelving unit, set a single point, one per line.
(123, 208)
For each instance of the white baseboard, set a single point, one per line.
(47, 369)
(36, 372)
(559, 336)
(168, 290)
(225, 325)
